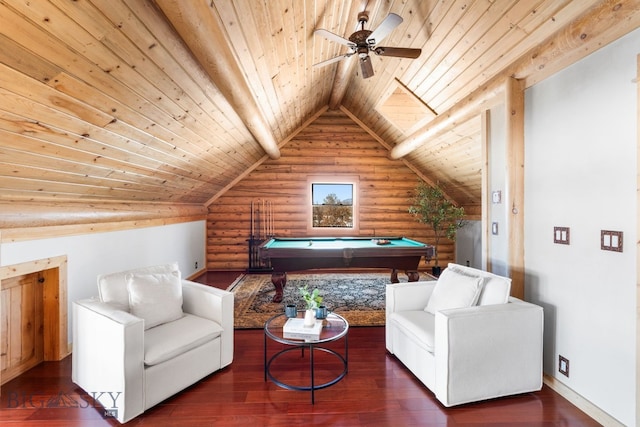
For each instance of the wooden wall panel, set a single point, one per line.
(33, 309)
(333, 145)
(22, 325)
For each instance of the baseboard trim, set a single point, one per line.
(581, 403)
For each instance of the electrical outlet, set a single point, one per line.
(563, 365)
(196, 265)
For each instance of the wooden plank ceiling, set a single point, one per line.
(173, 100)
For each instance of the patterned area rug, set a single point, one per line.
(358, 297)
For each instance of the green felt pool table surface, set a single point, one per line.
(306, 253)
(341, 242)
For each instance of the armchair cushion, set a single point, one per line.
(454, 290)
(417, 324)
(166, 341)
(495, 290)
(112, 287)
(156, 298)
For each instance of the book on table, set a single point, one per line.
(295, 329)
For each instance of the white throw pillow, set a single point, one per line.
(156, 298)
(495, 289)
(454, 290)
(112, 287)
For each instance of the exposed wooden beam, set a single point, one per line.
(253, 167)
(637, 84)
(472, 105)
(200, 28)
(599, 26)
(23, 219)
(602, 24)
(344, 73)
(514, 103)
(485, 207)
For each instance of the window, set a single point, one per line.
(332, 204)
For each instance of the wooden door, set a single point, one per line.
(21, 324)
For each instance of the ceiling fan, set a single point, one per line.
(364, 41)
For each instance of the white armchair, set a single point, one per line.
(148, 336)
(464, 337)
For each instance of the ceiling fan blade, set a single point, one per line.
(383, 30)
(400, 52)
(334, 37)
(366, 67)
(332, 60)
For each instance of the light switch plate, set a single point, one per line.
(611, 240)
(496, 196)
(561, 235)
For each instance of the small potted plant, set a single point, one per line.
(430, 206)
(312, 300)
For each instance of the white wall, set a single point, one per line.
(580, 172)
(469, 244)
(497, 152)
(91, 254)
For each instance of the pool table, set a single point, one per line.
(306, 253)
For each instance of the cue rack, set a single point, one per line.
(261, 220)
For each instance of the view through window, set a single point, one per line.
(332, 205)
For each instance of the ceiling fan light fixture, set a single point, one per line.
(359, 38)
(364, 41)
(366, 67)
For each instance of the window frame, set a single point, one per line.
(333, 179)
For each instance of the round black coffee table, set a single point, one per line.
(334, 328)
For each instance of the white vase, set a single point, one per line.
(309, 318)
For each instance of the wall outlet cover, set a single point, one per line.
(611, 240)
(561, 235)
(563, 365)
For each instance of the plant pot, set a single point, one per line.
(436, 270)
(291, 311)
(309, 318)
(321, 312)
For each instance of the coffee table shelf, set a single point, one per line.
(335, 327)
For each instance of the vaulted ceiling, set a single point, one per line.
(174, 100)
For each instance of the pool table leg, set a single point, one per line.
(394, 276)
(413, 275)
(279, 280)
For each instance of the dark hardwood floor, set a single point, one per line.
(377, 391)
(219, 279)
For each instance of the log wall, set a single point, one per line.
(332, 145)
(42, 219)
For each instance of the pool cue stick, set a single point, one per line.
(270, 212)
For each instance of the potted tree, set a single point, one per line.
(431, 207)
